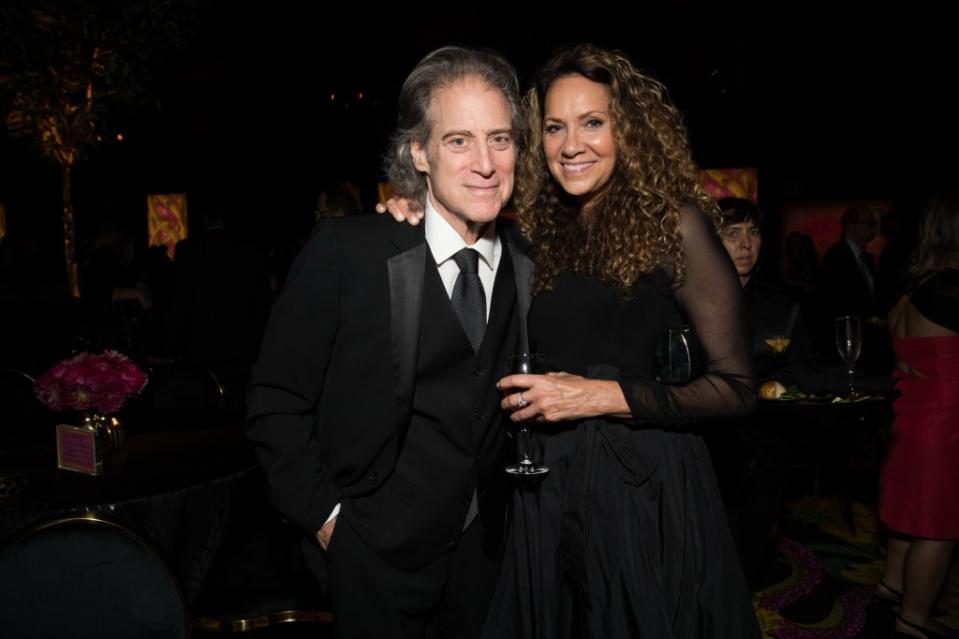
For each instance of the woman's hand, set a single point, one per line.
(556, 397)
(401, 209)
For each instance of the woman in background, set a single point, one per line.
(751, 457)
(919, 499)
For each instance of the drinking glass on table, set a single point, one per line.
(849, 345)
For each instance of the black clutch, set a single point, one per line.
(678, 357)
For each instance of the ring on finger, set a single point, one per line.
(521, 402)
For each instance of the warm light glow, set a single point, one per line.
(720, 183)
(332, 97)
(166, 220)
(3, 220)
(384, 191)
(119, 137)
(360, 95)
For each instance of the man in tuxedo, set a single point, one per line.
(849, 280)
(373, 407)
(848, 270)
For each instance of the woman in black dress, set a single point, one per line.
(625, 537)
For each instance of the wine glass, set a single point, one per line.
(849, 344)
(525, 363)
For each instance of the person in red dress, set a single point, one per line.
(919, 500)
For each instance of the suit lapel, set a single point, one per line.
(406, 272)
(406, 280)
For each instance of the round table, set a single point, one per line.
(174, 488)
(822, 434)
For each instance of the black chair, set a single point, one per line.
(260, 578)
(181, 395)
(23, 419)
(247, 609)
(85, 577)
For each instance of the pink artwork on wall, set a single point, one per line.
(823, 222)
(166, 220)
(720, 183)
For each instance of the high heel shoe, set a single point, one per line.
(890, 596)
(927, 633)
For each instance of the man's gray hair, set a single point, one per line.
(440, 69)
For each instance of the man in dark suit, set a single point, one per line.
(848, 270)
(849, 280)
(373, 406)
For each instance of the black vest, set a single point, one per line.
(455, 443)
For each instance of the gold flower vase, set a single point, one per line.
(109, 429)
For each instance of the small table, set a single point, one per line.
(826, 430)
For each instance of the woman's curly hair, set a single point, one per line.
(634, 229)
(937, 245)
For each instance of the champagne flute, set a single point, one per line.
(525, 363)
(849, 345)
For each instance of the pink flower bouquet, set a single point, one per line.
(89, 382)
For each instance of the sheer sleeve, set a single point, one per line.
(711, 301)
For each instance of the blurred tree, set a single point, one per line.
(66, 65)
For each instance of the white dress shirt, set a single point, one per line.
(444, 243)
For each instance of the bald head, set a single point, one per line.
(860, 224)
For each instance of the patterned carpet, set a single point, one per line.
(820, 578)
(817, 583)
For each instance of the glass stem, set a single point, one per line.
(524, 442)
(852, 388)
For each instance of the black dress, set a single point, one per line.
(626, 537)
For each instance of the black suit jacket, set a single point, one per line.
(331, 394)
(845, 290)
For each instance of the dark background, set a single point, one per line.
(271, 100)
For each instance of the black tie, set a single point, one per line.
(469, 300)
(866, 265)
